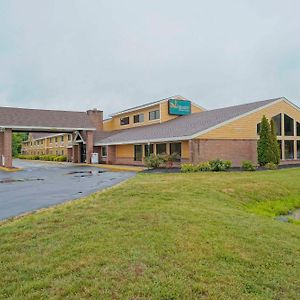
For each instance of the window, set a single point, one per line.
(124, 121)
(138, 118)
(62, 152)
(103, 151)
(298, 149)
(138, 152)
(288, 126)
(42, 142)
(176, 148)
(298, 129)
(149, 150)
(154, 115)
(56, 139)
(258, 128)
(289, 149)
(161, 148)
(277, 123)
(280, 147)
(69, 137)
(62, 139)
(50, 140)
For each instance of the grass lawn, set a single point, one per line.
(161, 236)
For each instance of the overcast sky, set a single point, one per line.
(81, 54)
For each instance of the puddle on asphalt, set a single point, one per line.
(85, 173)
(11, 180)
(294, 215)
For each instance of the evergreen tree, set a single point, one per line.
(275, 145)
(264, 144)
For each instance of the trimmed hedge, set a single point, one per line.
(60, 158)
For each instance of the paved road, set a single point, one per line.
(41, 185)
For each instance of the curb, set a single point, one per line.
(11, 170)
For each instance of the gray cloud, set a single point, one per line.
(114, 54)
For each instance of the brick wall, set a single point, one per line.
(234, 150)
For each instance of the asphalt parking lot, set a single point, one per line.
(40, 185)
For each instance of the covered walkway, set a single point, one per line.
(36, 120)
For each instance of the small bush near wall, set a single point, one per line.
(214, 165)
(203, 167)
(218, 165)
(59, 158)
(153, 161)
(271, 166)
(188, 168)
(247, 165)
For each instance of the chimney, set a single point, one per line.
(96, 117)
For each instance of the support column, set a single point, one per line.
(1, 147)
(89, 146)
(191, 151)
(8, 148)
(111, 154)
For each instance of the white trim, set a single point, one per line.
(33, 128)
(75, 141)
(190, 137)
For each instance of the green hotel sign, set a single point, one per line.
(179, 107)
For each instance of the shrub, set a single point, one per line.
(153, 161)
(247, 165)
(59, 158)
(271, 166)
(228, 164)
(218, 165)
(170, 159)
(274, 143)
(186, 168)
(203, 167)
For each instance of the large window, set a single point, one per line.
(289, 149)
(175, 148)
(154, 115)
(298, 129)
(298, 149)
(138, 152)
(138, 118)
(161, 148)
(103, 151)
(124, 121)
(148, 150)
(277, 123)
(280, 147)
(288, 126)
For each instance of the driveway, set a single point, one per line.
(41, 185)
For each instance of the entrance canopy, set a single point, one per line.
(21, 119)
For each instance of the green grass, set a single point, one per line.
(160, 236)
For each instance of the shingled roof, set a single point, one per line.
(37, 119)
(184, 127)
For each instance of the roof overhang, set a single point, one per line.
(43, 129)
